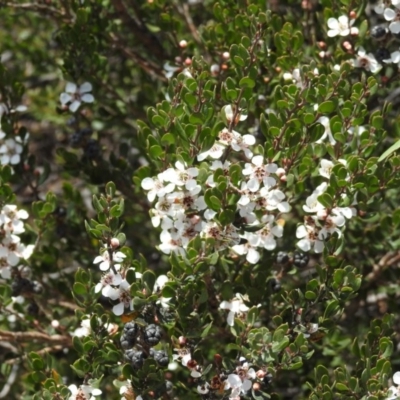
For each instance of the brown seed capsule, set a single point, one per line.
(217, 359)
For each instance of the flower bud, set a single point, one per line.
(182, 340)
(55, 324)
(214, 69)
(183, 44)
(226, 55)
(114, 242)
(261, 374)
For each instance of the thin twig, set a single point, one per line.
(150, 68)
(37, 7)
(21, 337)
(49, 349)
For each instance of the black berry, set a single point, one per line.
(300, 259)
(92, 149)
(32, 309)
(135, 358)
(379, 32)
(76, 139)
(21, 285)
(382, 54)
(267, 379)
(282, 257)
(160, 356)
(86, 131)
(275, 285)
(128, 337)
(152, 334)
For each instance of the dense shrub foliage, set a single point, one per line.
(199, 199)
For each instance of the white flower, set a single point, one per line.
(158, 285)
(394, 58)
(108, 279)
(127, 391)
(236, 306)
(332, 222)
(84, 329)
(204, 388)
(76, 95)
(10, 151)
(328, 133)
(11, 217)
(182, 175)
(257, 171)
(394, 390)
(252, 255)
(171, 242)
(157, 186)
(84, 392)
(366, 61)
(309, 238)
(169, 71)
(216, 152)
(326, 168)
(105, 261)
(393, 15)
(229, 114)
(243, 143)
(341, 26)
(238, 385)
(123, 295)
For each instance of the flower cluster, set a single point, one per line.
(12, 147)
(322, 222)
(112, 283)
(83, 392)
(239, 382)
(11, 248)
(183, 214)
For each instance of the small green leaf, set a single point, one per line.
(326, 107)
(247, 82)
(79, 288)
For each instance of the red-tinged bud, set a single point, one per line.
(183, 44)
(218, 359)
(353, 15)
(256, 386)
(182, 340)
(188, 61)
(261, 374)
(114, 242)
(347, 45)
